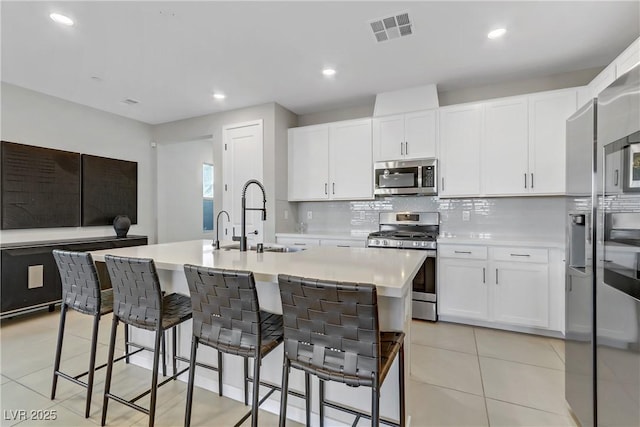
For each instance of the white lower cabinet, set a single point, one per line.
(521, 293)
(463, 289)
(298, 241)
(499, 286)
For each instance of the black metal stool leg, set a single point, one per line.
(401, 380)
(126, 342)
(307, 397)
(56, 364)
(220, 373)
(92, 364)
(154, 376)
(107, 381)
(192, 376)
(164, 356)
(375, 404)
(321, 397)
(284, 392)
(174, 351)
(256, 391)
(246, 381)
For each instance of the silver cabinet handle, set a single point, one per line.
(406, 148)
(343, 246)
(483, 275)
(520, 254)
(615, 181)
(401, 149)
(570, 284)
(462, 252)
(497, 276)
(325, 188)
(333, 188)
(442, 183)
(531, 180)
(525, 180)
(299, 244)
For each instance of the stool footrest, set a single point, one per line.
(357, 413)
(171, 378)
(128, 403)
(200, 364)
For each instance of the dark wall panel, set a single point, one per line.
(109, 188)
(40, 187)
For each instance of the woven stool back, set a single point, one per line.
(80, 284)
(137, 298)
(226, 313)
(331, 328)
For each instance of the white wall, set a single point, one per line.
(180, 189)
(211, 125)
(34, 118)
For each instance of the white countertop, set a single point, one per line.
(328, 235)
(391, 270)
(490, 240)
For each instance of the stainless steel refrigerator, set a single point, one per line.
(602, 374)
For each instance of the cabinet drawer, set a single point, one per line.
(520, 254)
(343, 243)
(290, 241)
(462, 251)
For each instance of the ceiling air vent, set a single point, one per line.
(392, 27)
(129, 101)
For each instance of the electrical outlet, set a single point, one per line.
(309, 214)
(286, 214)
(466, 215)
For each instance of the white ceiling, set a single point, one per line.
(171, 56)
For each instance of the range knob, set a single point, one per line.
(385, 242)
(374, 242)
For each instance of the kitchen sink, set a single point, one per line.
(267, 248)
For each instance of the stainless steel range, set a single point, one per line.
(413, 230)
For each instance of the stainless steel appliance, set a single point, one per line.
(602, 347)
(406, 177)
(418, 231)
(617, 280)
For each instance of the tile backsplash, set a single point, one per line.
(509, 217)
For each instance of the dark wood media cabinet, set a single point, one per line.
(30, 277)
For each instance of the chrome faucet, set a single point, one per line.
(216, 244)
(243, 229)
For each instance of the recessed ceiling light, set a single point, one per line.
(498, 32)
(329, 72)
(61, 19)
(219, 95)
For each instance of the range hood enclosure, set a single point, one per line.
(406, 100)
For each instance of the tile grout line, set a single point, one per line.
(529, 407)
(484, 396)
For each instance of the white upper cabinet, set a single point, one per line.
(506, 147)
(461, 131)
(548, 114)
(331, 161)
(405, 136)
(504, 153)
(308, 163)
(350, 160)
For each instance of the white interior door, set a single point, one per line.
(242, 162)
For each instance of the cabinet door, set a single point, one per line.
(548, 114)
(521, 293)
(309, 163)
(613, 173)
(462, 290)
(388, 138)
(420, 134)
(460, 138)
(504, 151)
(350, 160)
(243, 161)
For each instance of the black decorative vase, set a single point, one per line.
(121, 224)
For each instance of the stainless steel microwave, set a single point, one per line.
(406, 177)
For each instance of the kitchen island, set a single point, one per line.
(391, 271)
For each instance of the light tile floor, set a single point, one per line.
(460, 376)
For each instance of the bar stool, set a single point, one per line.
(81, 292)
(331, 331)
(227, 317)
(139, 302)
